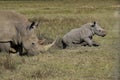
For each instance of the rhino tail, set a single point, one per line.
(46, 47)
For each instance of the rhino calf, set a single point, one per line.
(83, 35)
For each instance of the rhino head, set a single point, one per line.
(31, 43)
(98, 30)
(33, 47)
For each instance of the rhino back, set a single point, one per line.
(78, 34)
(12, 25)
(73, 35)
(12, 16)
(7, 31)
(85, 31)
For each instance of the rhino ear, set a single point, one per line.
(33, 25)
(93, 24)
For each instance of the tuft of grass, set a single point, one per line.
(8, 63)
(47, 71)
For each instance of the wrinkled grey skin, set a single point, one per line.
(9, 48)
(17, 33)
(4, 47)
(83, 35)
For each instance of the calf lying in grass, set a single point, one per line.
(83, 35)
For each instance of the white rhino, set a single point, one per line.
(83, 35)
(17, 33)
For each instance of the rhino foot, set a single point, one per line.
(12, 50)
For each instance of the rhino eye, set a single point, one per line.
(33, 43)
(99, 30)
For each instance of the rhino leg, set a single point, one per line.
(86, 44)
(71, 45)
(95, 44)
(64, 45)
(83, 44)
(67, 44)
(6, 47)
(12, 50)
(88, 41)
(18, 48)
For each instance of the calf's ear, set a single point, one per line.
(93, 24)
(34, 24)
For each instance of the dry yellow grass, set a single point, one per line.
(80, 63)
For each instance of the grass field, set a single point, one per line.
(57, 17)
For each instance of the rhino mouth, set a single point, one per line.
(103, 35)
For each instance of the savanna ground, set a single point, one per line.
(57, 17)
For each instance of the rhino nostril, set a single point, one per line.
(100, 30)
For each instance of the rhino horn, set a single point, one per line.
(46, 47)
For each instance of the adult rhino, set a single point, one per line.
(17, 34)
(83, 35)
